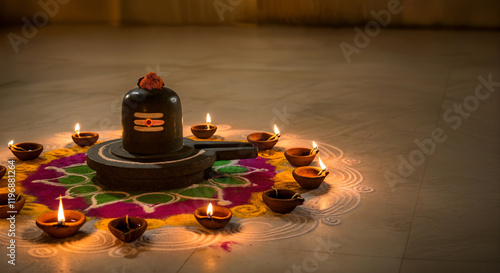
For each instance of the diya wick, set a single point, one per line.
(310, 177)
(264, 140)
(301, 156)
(210, 210)
(314, 149)
(25, 150)
(213, 217)
(276, 134)
(276, 193)
(61, 223)
(323, 168)
(204, 130)
(17, 148)
(83, 139)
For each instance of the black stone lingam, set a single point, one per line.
(152, 121)
(153, 155)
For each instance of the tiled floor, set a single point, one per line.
(444, 216)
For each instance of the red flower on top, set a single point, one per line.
(151, 81)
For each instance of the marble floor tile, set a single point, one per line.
(455, 217)
(440, 218)
(273, 260)
(414, 266)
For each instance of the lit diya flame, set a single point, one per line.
(17, 148)
(77, 129)
(323, 167)
(314, 149)
(276, 133)
(60, 214)
(210, 210)
(208, 121)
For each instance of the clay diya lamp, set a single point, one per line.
(204, 130)
(301, 156)
(213, 217)
(3, 169)
(26, 150)
(128, 229)
(282, 201)
(11, 204)
(264, 140)
(83, 139)
(61, 223)
(310, 177)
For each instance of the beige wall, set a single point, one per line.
(478, 13)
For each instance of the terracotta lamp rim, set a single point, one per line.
(85, 138)
(35, 149)
(202, 212)
(64, 230)
(298, 170)
(42, 219)
(263, 133)
(85, 135)
(204, 127)
(263, 143)
(21, 144)
(18, 205)
(290, 192)
(304, 149)
(15, 195)
(201, 131)
(300, 156)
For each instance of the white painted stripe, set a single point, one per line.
(148, 129)
(148, 115)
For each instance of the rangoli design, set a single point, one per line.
(171, 224)
(74, 181)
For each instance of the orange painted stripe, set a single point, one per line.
(142, 122)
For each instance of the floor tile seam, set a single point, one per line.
(187, 259)
(425, 166)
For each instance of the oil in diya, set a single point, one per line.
(11, 204)
(301, 156)
(310, 177)
(264, 140)
(128, 229)
(213, 217)
(61, 223)
(25, 150)
(83, 139)
(204, 130)
(3, 170)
